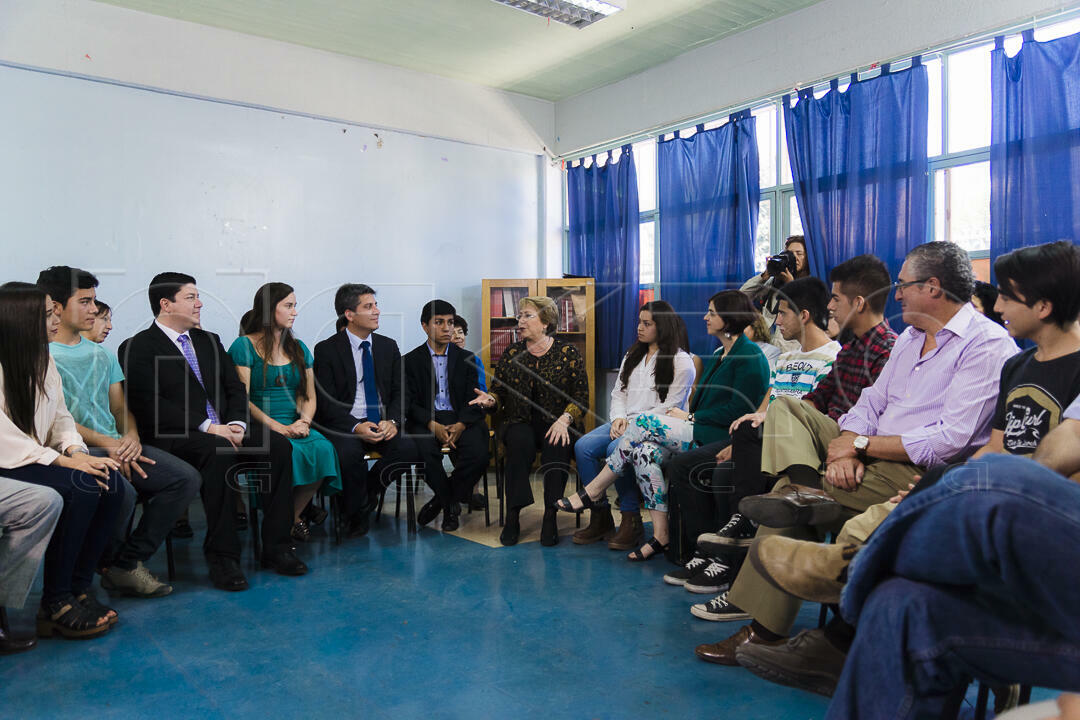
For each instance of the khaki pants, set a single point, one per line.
(809, 432)
(858, 529)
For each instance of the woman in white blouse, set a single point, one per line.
(656, 374)
(40, 445)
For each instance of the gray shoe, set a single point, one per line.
(134, 583)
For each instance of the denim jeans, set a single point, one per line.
(591, 450)
(974, 577)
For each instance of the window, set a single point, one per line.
(647, 259)
(962, 206)
(766, 143)
(785, 160)
(763, 241)
(794, 219)
(645, 163)
(969, 99)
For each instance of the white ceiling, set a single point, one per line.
(481, 41)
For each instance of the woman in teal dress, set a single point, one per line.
(276, 368)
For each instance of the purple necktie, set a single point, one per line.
(193, 363)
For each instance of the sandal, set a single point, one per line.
(91, 603)
(300, 531)
(582, 495)
(66, 617)
(638, 556)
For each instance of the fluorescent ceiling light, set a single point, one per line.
(575, 13)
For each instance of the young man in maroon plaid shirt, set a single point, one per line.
(860, 289)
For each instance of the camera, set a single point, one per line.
(780, 262)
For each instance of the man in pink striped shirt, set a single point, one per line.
(931, 405)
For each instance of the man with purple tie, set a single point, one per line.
(188, 400)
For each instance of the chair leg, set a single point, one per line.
(1025, 694)
(253, 521)
(379, 504)
(410, 498)
(335, 520)
(487, 506)
(4, 621)
(397, 505)
(982, 701)
(169, 559)
(577, 516)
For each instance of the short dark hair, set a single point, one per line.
(866, 276)
(164, 286)
(795, 239)
(102, 306)
(347, 297)
(949, 263)
(462, 323)
(988, 295)
(809, 294)
(61, 281)
(1044, 272)
(436, 307)
(735, 308)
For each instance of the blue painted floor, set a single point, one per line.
(388, 626)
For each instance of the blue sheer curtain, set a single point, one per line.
(603, 244)
(1035, 144)
(708, 197)
(859, 161)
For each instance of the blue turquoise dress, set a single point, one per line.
(314, 457)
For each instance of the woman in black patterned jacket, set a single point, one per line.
(542, 390)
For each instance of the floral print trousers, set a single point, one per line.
(646, 444)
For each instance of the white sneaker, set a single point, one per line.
(138, 582)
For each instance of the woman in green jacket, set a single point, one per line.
(732, 383)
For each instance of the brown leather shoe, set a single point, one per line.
(599, 528)
(723, 652)
(631, 533)
(808, 570)
(807, 661)
(792, 505)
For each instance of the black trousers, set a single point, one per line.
(742, 476)
(265, 462)
(523, 441)
(84, 528)
(361, 487)
(693, 506)
(470, 458)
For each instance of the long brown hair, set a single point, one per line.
(260, 320)
(669, 340)
(24, 350)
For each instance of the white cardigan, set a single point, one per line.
(640, 395)
(54, 428)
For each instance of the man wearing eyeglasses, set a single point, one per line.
(931, 405)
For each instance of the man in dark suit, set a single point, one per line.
(360, 408)
(187, 400)
(441, 379)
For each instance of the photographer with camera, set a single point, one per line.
(780, 269)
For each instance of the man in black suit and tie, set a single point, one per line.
(442, 378)
(361, 403)
(187, 400)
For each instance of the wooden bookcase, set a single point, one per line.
(499, 298)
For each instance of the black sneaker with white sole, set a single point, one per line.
(713, 578)
(733, 538)
(719, 610)
(680, 576)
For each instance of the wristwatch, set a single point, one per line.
(690, 418)
(861, 442)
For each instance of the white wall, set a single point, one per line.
(95, 39)
(826, 39)
(127, 183)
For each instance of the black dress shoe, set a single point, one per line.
(10, 645)
(182, 530)
(285, 562)
(226, 574)
(450, 521)
(549, 530)
(511, 532)
(358, 525)
(429, 512)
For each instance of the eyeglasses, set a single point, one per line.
(901, 286)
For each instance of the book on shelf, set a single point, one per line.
(504, 301)
(501, 338)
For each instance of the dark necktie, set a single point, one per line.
(193, 363)
(371, 393)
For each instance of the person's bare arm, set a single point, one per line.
(1060, 450)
